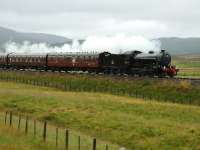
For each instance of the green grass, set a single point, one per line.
(11, 139)
(187, 61)
(188, 65)
(161, 90)
(37, 136)
(133, 123)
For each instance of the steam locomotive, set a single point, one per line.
(131, 62)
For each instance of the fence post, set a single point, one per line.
(26, 126)
(65, 86)
(79, 142)
(10, 119)
(34, 128)
(67, 139)
(106, 147)
(136, 94)
(45, 131)
(19, 121)
(6, 117)
(94, 144)
(56, 137)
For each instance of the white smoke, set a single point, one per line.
(114, 44)
(120, 43)
(29, 48)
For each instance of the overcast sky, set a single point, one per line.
(81, 18)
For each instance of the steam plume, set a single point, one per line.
(114, 44)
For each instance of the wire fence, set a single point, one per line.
(69, 85)
(72, 86)
(56, 137)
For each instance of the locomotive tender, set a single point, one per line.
(131, 63)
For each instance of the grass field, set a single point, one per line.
(11, 139)
(189, 65)
(183, 92)
(35, 129)
(133, 123)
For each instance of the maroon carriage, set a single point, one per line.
(73, 61)
(3, 60)
(27, 61)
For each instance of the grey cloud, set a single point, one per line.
(83, 17)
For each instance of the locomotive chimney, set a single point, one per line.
(162, 51)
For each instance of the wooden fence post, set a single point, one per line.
(45, 131)
(136, 94)
(56, 137)
(10, 118)
(26, 126)
(79, 143)
(65, 86)
(19, 122)
(106, 147)
(67, 139)
(6, 117)
(94, 144)
(34, 128)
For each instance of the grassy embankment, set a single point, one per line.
(55, 136)
(161, 90)
(11, 139)
(188, 65)
(133, 123)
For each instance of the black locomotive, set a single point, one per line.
(131, 63)
(138, 63)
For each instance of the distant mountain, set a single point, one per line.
(174, 45)
(7, 35)
(181, 45)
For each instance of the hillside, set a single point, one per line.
(7, 35)
(174, 45)
(130, 122)
(181, 45)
